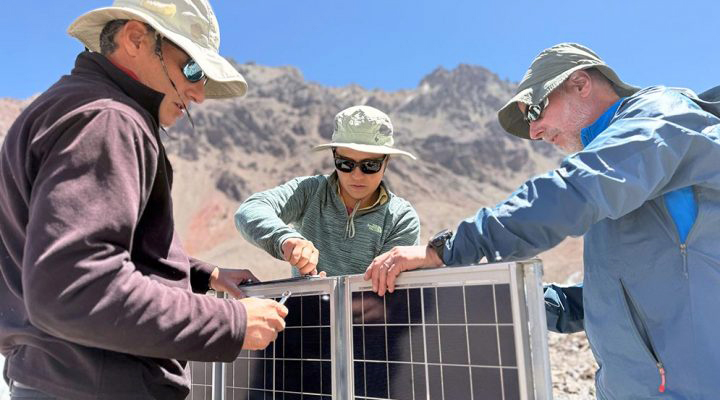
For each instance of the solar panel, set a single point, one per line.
(452, 342)
(451, 333)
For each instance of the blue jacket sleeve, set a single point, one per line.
(564, 308)
(638, 157)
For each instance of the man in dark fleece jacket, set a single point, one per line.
(98, 299)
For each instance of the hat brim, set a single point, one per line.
(224, 81)
(366, 148)
(512, 120)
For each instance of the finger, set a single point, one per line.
(369, 271)
(282, 325)
(308, 269)
(234, 291)
(392, 274)
(276, 323)
(382, 278)
(273, 323)
(304, 264)
(375, 276)
(315, 257)
(287, 249)
(282, 310)
(246, 276)
(273, 336)
(296, 254)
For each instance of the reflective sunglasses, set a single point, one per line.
(534, 111)
(192, 71)
(369, 166)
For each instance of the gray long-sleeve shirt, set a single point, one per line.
(316, 212)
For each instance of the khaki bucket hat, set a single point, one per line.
(190, 24)
(550, 69)
(366, 129)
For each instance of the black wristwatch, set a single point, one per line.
(438, 241)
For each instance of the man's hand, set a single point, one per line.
(386, 267)
(301, 254)
(265, 318)
(227, 280)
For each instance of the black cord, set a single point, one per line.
(158, 52)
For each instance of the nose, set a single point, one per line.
(356, 173)
(535, 132)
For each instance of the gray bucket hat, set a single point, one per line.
(366, 129)
(190, 24)
(550, 69)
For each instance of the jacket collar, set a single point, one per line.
(590, 132)
(95, 63)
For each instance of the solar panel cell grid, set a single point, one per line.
(201, 376)
(296, 365)
(453, 342)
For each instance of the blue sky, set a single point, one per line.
(393, 44)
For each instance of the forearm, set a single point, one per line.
(535, 218)
(124, 311)
(260, 225)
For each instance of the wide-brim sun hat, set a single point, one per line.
(366, 129)
(548, 71)
(190, 24)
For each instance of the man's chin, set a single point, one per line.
(167, 124)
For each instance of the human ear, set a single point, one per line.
(580, 83)
(132, 37)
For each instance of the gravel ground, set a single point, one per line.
(573, 366)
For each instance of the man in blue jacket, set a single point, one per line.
(641, 182)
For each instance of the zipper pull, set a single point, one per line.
(661, 370)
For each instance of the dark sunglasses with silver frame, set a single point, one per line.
(368, 166)
(534, 111)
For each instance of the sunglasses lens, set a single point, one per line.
(193, 72)
(344, 165)
(371, 166)
(533, 112)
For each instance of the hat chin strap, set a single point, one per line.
(159, 53)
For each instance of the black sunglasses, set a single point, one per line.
(534, 111)
(369, 166)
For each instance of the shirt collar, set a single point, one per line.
(96, 63)
(590, 132)
(125, 70)
(383, 197)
